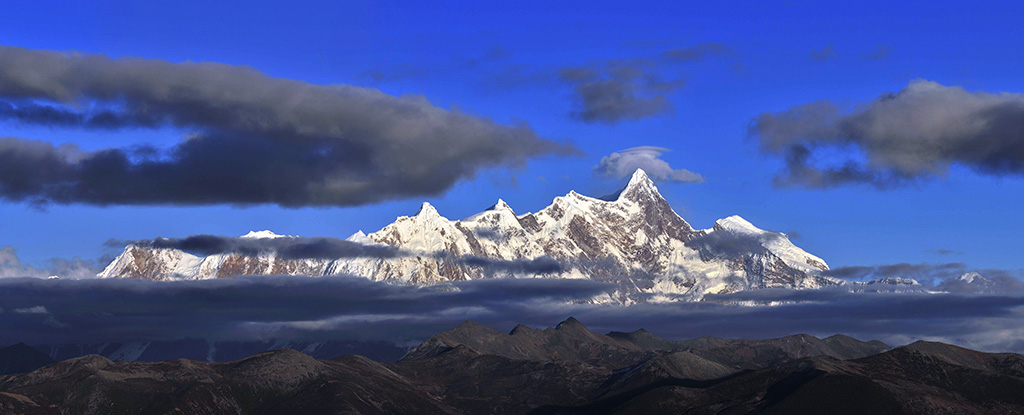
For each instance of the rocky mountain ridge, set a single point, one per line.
(566, 369)
(633, 238)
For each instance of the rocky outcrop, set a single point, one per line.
(566, 369)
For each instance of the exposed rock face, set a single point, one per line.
(633, 237)
(567, 369)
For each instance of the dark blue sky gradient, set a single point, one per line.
(446, 52)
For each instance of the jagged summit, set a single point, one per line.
(571, 323)
(970, 277)
(427, 211)
(519, 329)
(359, 237)
(640, 179)
(638, 184)
(500, 206)
(635, 240)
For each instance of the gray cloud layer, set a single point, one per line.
(917, 133)
(345, 308)
(254, 139)
(623, 163)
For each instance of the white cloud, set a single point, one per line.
(32, 310)
(623, 163)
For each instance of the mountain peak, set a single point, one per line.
(500, 205)
(359, 237)
(264, 234)
(639, 178)
(971, 277)
(736, 223)
(571, 323)
(518, 329)
(427, 211)
(639, 184)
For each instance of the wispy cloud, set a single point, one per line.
(880, 53)
(618, 90)
(697, 52)
(826, 53)
(943, 251)
(614, 90)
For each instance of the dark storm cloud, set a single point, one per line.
(253, 139)
(828, 52)
(345, 308)
(915, 134)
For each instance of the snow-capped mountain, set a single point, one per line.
(632, 237)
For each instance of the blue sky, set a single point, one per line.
(453, 54)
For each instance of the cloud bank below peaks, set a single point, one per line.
(345, 308)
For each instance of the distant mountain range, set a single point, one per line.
(474, 369)
(632, 238)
